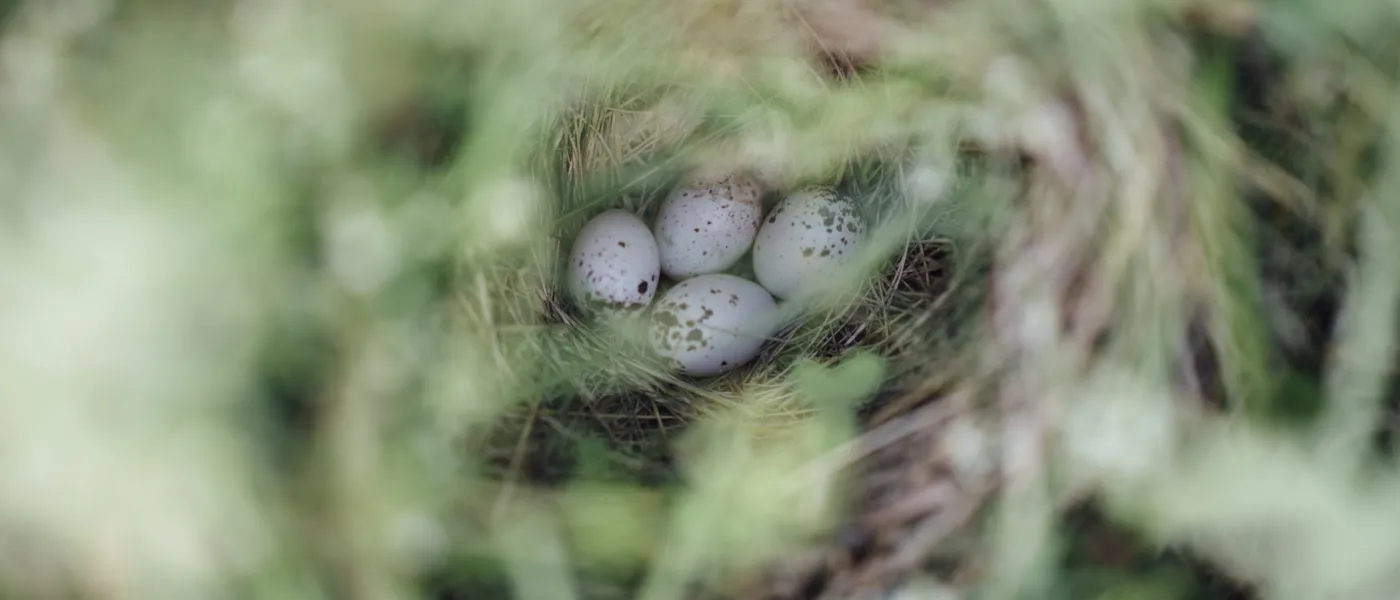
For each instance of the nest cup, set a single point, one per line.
(607, 385)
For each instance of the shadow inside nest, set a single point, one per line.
(622, 438)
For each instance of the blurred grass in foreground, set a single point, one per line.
(244, 344)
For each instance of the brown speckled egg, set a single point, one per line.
(710, 324)
(808, 236)
(706, 227)
(614, 263)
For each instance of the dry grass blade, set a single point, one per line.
(1364, 351)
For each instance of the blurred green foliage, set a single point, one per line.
(277, 274)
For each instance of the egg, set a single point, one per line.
(706, 227)
(807, 237)
(614, 264)
(710, 324)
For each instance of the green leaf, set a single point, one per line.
(833, 391)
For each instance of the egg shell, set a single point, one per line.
(809, 236)
(614, 263)
(706, 227)
(710, 324)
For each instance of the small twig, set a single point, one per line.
(932, 416)
(928, 500)
(934, 529)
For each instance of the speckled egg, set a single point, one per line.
(808, 236)
(710, 324)
(706, 227)
(614, 264)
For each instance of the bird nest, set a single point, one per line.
(1062, 286)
